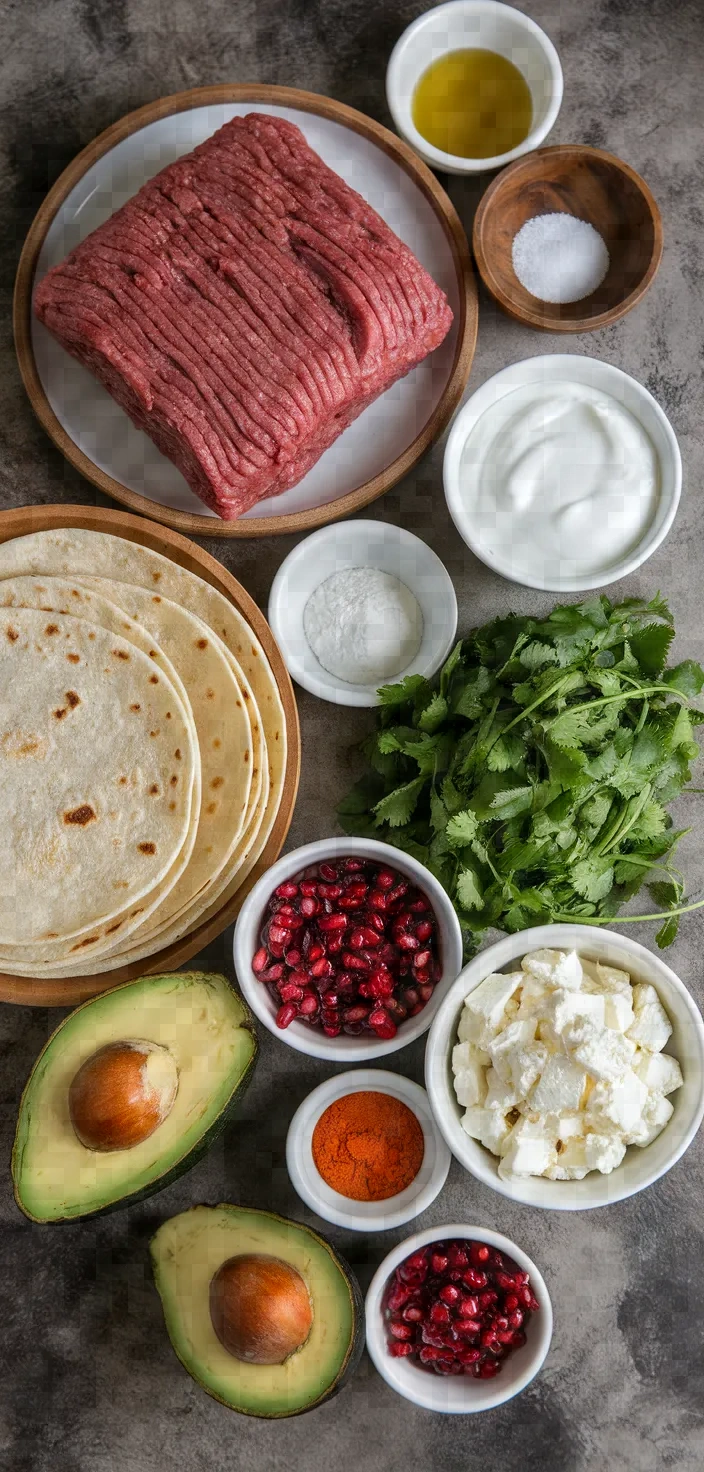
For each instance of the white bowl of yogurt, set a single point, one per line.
(562, 473)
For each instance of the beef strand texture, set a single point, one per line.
(243, 308)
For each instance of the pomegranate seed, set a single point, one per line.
(293, 958)
(450, 1294)
(488, 1337)
(413, 1011)
(440, 1314)
(289, 992)
(519, 1339)
(399, 1349)
(354, 962)
(413, 1314)
(383, 1025)
(439, 1263)
(469, 1306)
(273, 973)
(376, 922)
(411, 996)
(397, 1009)
(485, 1300)
(399, 1329)
(501, 1322)
(515, 1319)
(310, 906)
(309, 1006)
(425, 993)
(329, 891)
(260, 961)
(488, 1369)
(457, 1256)
(520, 1277)
(332, 1029)
(332, 922)
(414, 1269)
(407, 942)
(424, 930)
(286, 1014)
(355, 1014)
(353, 865)
(504, 1336)
(395, 893)
(322, 968)
(386, 879)
(525, 1296)
(510, 1302)
(287, 891)
(421, 961)
(468, 1327)
(398, 1295)
(474, 1279)
(327, 871)
(465, 1356)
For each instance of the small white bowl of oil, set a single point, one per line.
(457, 54)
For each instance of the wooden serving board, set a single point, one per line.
(69, 991)
(428, 423)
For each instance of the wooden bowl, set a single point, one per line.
(69, 991)
(357, 125)
(596, 187)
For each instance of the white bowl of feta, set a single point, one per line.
(565, 1067)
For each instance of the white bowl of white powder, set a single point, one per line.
(361, 604)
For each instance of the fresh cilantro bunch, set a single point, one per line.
(533, 779)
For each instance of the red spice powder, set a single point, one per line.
(368, 1146)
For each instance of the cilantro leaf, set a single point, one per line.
(468, 891)
(462, 828)
(397, 807)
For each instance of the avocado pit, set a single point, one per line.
(122, 1093)
(260, 1308)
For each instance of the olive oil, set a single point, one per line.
(473, 103)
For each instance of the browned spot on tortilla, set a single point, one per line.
(120, 653)
(156, 598)
(210, 694)
(217, 782)
(138, 911)
(246, 756)
(212, 807)
(172, 805)
(174, 780)
(147, 848)
(72, 699)
(201, 643)
(156, 733)
(153, 654)
(89, 941)
(168, 715)
(120, 884)
(75, 593)
(135, 707)
(123, 781)
(255, 652)
(73, 658)
(112, 928)
(154, 790)
(156, 577)
(153, 679)
(238, 703)
(60, 713)
(177, 753)
(91, 636)
(80, 816)
(50, 629)
(217, 743)
(246, 694)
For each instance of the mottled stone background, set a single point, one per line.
(89, 1382)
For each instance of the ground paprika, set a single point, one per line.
(368, 1146)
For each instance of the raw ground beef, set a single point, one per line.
(243, 308)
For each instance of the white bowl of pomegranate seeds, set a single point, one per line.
(458, 1319)
(345, 949)
(641, 1165)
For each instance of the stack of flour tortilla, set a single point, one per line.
(142, 752)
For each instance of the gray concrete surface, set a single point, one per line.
(88, 1382)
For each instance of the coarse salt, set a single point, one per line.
(559, 258)
(363, 625)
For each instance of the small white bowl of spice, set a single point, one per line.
(364, 1152)
(361, 604)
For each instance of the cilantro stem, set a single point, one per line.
(627, 919)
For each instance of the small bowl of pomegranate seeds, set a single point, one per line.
(345, 948)
(458, 1319)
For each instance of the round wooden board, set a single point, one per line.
(66, 992)
(362, 495)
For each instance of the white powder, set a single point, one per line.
(363, 625)
(559, 258)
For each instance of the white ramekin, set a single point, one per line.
(565, 369)
(310, 1040)
(487, 25)
(640, 1166)
(461, 1394)
(365, 1216)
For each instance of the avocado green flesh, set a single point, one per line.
(202, 1022)
(186, 1253)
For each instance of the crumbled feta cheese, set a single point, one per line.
(499, 1094)
(488, 1126)
(560, 1086)
(571, 1162)
(604, 1053)
(527, 1064)
(657, 1110)
(658, 1071)
(617, 1104)
(489, 999)
(530, 1150)
(618, 1011)
(563, 1007)
(652, 1026)
(559, 1068)
(507, 1043)
(603, 1152)
(555, 968)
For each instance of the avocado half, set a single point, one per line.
(189, 1249)
(209, 1032)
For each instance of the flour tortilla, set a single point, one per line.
(96, 783)
(60, 595)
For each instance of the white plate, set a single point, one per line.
(349, 544)
(365, 1216)
(384, 431)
